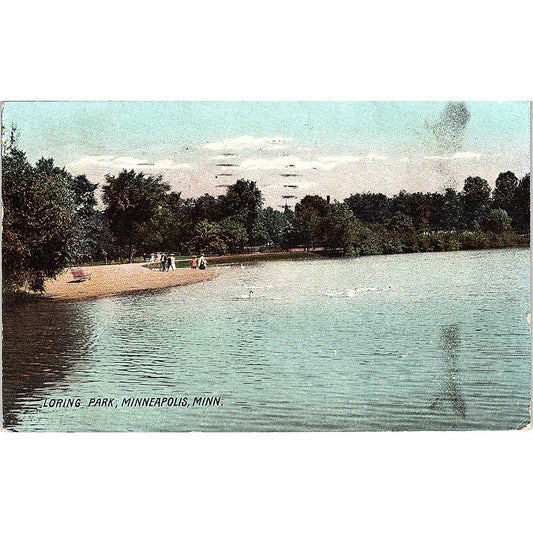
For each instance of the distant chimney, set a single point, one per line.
(328, 198)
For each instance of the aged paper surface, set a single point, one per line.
(475, 480)
(266, 266)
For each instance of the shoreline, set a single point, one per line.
(132, 278)
(117, 280)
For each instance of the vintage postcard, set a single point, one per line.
(265, 266)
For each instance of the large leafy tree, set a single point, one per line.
(269, 227)
(164, 230)
(208, 238)
(90, 232)
(340, 230)
(495, 221)
(452, 211)
(372, 208)
(84, 198)
(132, 202)
(175, 224)
(243, 202)
(476, 199)
(522, 205)
(417, 206)
(39, 219)
(503, 196)
(207, 207)
(506, 184)
(234, 234)
(293, 233)
(310, 212)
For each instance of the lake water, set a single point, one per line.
(434, 341)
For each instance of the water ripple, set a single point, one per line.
(437, 342)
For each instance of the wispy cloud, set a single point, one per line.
(458, 155)
(248, 142)
(169, 163)
(340, 159)
(296, 184)
(296, 163)
(112, 162)
(223, 157)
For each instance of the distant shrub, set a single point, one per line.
(474, 240)
(495, 221)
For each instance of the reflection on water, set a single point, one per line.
(413, 342)
(450, 392)
(42, 343)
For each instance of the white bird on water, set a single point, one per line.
(245, 296)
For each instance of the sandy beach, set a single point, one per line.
(114, 280)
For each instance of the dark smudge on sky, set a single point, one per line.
(449, 129)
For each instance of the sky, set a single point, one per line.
(290, 149)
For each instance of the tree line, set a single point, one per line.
(52, 218)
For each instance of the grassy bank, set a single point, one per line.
(436, 242)
(185, 262)
(120, 275)
(377, 244)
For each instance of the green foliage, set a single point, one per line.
(504, 192)
(495, 221)
(206, 207)
(270, 227)
(233, 234)
(474, 240)
(476, 200)
(371, 208)
(401, 224)
(340, 230)
(51, 217)
(208, 238)
(39, 219)
(134, 203)
(411, 211)
(243, 202)
(310, 212)
(84, 198)
(452, 212)
(438, 242)
(521, 205)
(93, 239)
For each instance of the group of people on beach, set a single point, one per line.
(199, 262)
(168, 262)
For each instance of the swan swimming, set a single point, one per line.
(333, 294)
(245, 296)
(367, 289)
(350, 293)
